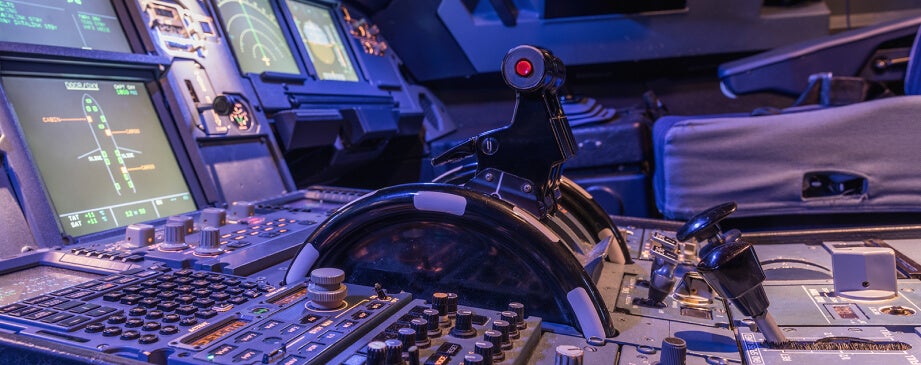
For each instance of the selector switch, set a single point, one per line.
(422, 336)
(568, 355)
(512, 319)
(503, 327)
(431, 316)
(377, 352)
(241, 210)
(484, 349)
(394, 353)
(463, 325)
(213, 217)
(139, 235)
(518, 308)
(210, 243)
(440, 303)
(407, 337)
(326, 290)
(173, 237)
(495, 338)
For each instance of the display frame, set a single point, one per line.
(141, 49)
(344, 38)
(29, 185)
(290, 42)
(283, 91)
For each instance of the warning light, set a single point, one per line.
(523, 68)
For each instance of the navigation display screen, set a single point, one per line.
(38, 280)
(323, 42)
(255, 37)
(86, 24)
(101, 151)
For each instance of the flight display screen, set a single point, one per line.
(101, 151)
(255, 37)
(38, 280)
(323, 41)
(86, 24)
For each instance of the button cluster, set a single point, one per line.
(443, 332)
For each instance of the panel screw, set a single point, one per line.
(526, 188)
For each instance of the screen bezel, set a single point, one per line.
(31, 191)
(276, 90)
(285, 32)
(336, 17)
(137, 43)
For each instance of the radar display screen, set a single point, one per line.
(323, 42)
(255, 37)
(101, 151)
(86, 24)
(38, 280)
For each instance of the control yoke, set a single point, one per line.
(522, 161)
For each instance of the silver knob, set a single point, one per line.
(568, 355)
(326, 290)
(173, 237)
(210, 243)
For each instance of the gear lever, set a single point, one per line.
(734, 271)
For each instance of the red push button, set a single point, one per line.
(523, 68)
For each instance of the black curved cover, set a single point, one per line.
(586, 210)
(489, 255)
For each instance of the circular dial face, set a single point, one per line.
(256, 37)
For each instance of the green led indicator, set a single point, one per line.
(102, 126)
(88, 109)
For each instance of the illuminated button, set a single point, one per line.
(259, 310)
(247, 355)
(524, 68)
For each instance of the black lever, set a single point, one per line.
(734, 271)
(704, 227)
(522, 162)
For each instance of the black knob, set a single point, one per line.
(503, 327)
(674, 351)
(394, 353)
(705, 225)
(451, 304)
(463, 324)
(518, 308)
(473, 359)
(222, 105)
(495, 338)
(407, 337)
(512, 319)
(734, 271)
(422, 332)
(440, 303)
(431, 316)
(484, 349)
(377, 351)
